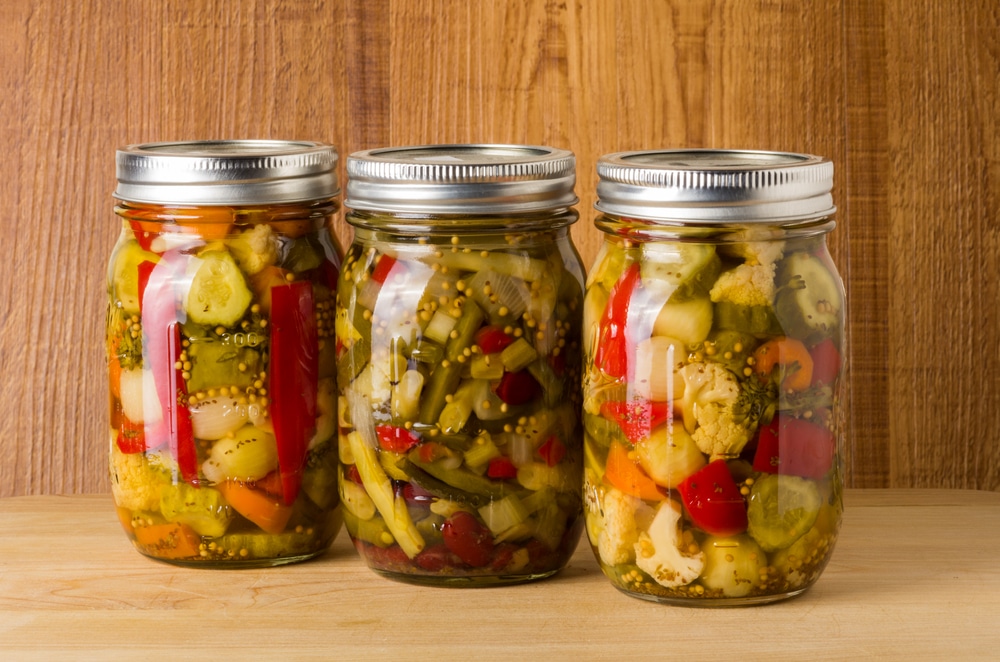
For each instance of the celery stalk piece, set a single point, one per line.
(440, 327)
(363, 442)
(487, 366)
(518, 355)
(481, 451)
(503, 514)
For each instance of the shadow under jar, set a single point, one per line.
(458, 321)
(221, 351)
(714, 336)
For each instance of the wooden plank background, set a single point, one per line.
(903, 95)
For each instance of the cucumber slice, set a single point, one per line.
(809, 303)
(218, 295)
(781, 510)
(732, 565)
(201, 508)
(125, 275)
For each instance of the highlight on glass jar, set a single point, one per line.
(221, 351)
(714, 337)
(458, 321)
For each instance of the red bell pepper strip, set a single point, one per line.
(637, 418)
(144, 233)
(143, 270)
(161, 350)
(713, 501)
(294, 375)
(395, 439)
(384, 267)
(613, 346)
(795, 447)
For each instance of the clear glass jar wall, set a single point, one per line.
(714, 337)
(459, 318)
(221, 352)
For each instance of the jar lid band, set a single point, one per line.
(707, 185)
(226, 172)
(461, 179)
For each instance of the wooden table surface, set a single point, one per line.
(914, 576)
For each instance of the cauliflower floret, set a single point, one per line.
(711, 412)
(255, 249)
(751, 283)
(135, 482)
(746, 285)
(624, 516)
(663, 552)
(759, 245)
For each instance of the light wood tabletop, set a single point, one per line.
(914, 576)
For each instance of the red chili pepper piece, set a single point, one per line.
(384, 268)
(501, 468)
(294, 375)
(518, 388)
(794, 447)
(161, 349)
(468, 539)
(637, 418)
(713, 501)
(552, 451)
(613, 345)
(493, 339)
(131, 437)
(395, 439)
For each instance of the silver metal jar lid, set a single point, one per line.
(461, 179)
(226, 172)
(707, 185)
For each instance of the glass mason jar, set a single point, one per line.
(458, 323)
(714, 337)
(221, 351)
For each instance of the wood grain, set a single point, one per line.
(72, 586)
(900, 94)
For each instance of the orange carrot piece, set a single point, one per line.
(623, 473)
(794, 359)
(268, 513)
(168, 541)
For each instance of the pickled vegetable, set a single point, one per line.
(204, 467)
(460, 385)
(712, 375)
